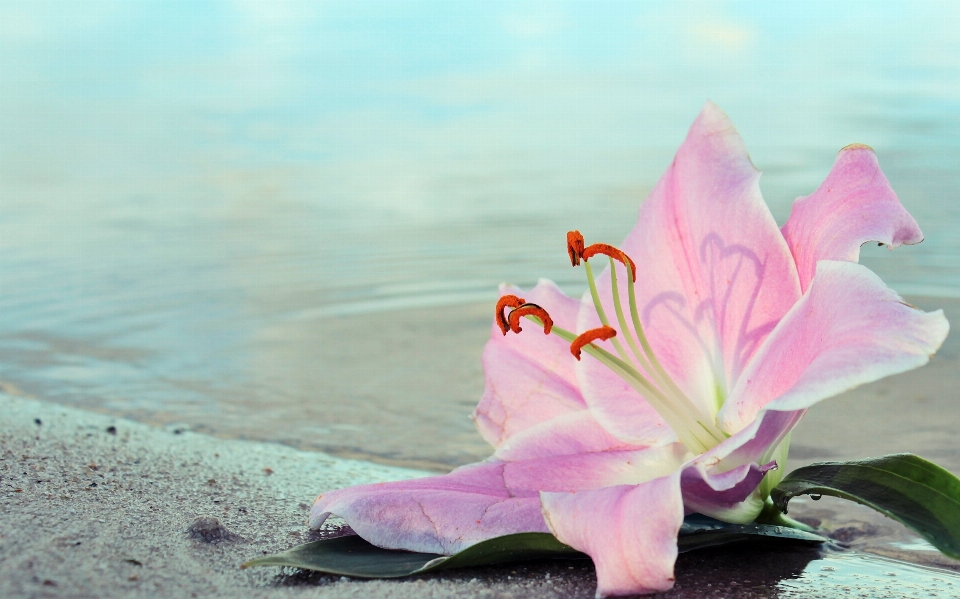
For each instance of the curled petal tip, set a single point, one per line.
(857, 147)
(603, 333)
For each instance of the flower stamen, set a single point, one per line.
(602, 333)
(696, 429)
(507, 301)
(530, 310)
(575, 247)
(612, 252)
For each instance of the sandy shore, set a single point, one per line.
(95, 506)
(397, 388)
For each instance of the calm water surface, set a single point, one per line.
(214, 212)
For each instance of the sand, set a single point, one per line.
(97, 506)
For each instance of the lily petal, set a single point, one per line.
(721, 482)
(848, 329)
(630, 532)
(756, 442)
(714, 272)
(579, 472)
(529, 377)
(445, 514)
(723, 495)
(617, 406)
(573, 433)
(438, 514)
(854, 205)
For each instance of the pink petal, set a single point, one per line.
(755, 443)
(572, 433)
(579, 472)
(438, 514)
(629, 531)
(616, 406)
(720, 494)
(847, 330)
(529, 377)
(714, 273)
(854, 205)
(720, 482)
(445, 514)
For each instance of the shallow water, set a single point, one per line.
(860, 575)
(212, 213)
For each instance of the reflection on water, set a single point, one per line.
(863, 575)
(193, 193)
(788, 571)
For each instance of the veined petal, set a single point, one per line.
(722, 482)
(756, 443)
(578, 472)
(617, 406)
(529, 377)
(572, 433)
(445, 514)
(714, 272)
(848, 329)
(438, 514)
(854, 205)
(630, 532)
(727, 495)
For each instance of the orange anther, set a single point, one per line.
(609, 250)
(507, 301)
(587, 337)
(531, 310)
(575, 247)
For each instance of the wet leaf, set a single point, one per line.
(904, 487)
(699, 531)
(352, 556)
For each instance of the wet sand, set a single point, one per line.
(398, 388)
(90, 510)
(96, 506)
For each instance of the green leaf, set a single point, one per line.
(699, 532)
(352, 556)
(904, 487)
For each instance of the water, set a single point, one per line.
(863, 575)
(213, 212)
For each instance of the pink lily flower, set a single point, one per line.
(707, 337)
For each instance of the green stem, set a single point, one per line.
(601, 312)
(771, 514)
(695, 439)
(641, 359)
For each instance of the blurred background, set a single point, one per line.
(287, 220)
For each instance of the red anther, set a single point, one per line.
(587, 337)
(575, 247)
(507, 301)
(532, 310)
(609, 250)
